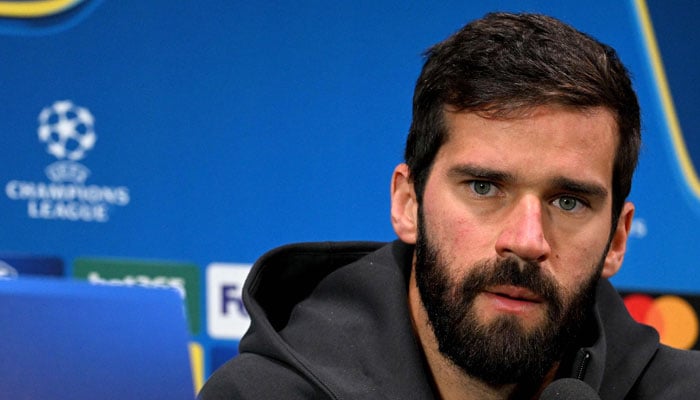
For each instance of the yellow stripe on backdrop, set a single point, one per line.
(35, 9)
(669, 109)
(197, 364)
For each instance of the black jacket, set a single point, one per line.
(330, 321)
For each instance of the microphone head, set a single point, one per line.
(569, 389)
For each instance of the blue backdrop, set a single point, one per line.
(210, 132)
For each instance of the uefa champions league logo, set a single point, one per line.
(68, 131)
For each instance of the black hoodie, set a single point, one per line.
(331, 321)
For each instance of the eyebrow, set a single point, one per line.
(471, 171)
(584, 188)
(476, 172)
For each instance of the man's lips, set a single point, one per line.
(513, 299)
(515, 293)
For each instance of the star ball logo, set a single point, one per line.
(68, 132)
(67, 129)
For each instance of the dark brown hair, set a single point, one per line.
(504, 63)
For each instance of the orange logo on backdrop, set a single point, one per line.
(672, 316)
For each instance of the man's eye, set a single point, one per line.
(482, 188)
(567, 203)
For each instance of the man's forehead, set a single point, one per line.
(600, 118)
(518, 110)
(576, 140)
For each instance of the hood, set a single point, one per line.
(323, 309)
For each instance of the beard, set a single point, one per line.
(501, 351)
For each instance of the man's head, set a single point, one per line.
(519, 160)
(504, 63)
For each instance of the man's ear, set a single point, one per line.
(404, 206)
(618, 244)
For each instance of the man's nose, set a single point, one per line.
(523, 233)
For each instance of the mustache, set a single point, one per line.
(511, 272)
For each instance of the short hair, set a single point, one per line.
(504, 63)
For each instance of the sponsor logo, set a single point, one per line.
(184, 278)
(67, 131)
(227, 317)
(675, 317)
(31, 17)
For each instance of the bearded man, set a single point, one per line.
(511, 213)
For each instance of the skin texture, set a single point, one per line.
(536, 186)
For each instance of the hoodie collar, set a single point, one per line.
(621, 350)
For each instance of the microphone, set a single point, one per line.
(569, 389)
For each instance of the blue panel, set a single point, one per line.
(70, 340)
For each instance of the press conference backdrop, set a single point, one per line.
(173, 142)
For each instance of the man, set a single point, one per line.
(511, 213)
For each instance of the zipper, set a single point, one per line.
(582, 358)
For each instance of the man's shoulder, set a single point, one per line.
(671, 374)
(251, 376)
(674, 362)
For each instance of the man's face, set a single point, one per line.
(513, 234)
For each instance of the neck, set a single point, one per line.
(449, 380)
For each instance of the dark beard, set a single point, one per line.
(503, 351)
